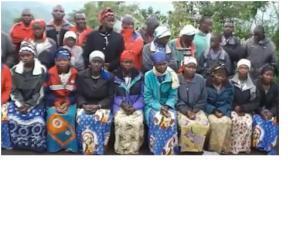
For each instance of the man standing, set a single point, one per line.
(106, 40)
(260, 51)
(231, 44)
(80, 28)
(57, 28)
(202, 38)
(22, 30)
(147, 32)
(132, 40)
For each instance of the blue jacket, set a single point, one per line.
(221, 101)
(157, 94)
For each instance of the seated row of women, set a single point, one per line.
(61, 109)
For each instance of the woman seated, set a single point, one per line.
(219, 105)
(128, 106)
(160, 96)
(265, 123)
(192, 96)
(245, 102)
(94, 99)
(5, 93)
(26, 112)
(45, 47)
(61, 104)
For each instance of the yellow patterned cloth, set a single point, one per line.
(129, 132)
(219, 134)
(193, 132)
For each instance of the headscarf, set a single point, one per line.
(42, 23)
(27, 46)
(106, 13)
(188, 30)
(189, 59)
(95, 54)
(63, 53)
(71, 34)
(159, 57)
(127, 55)
(161, 31)
(245, 62)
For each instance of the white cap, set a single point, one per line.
(70, 34)
(95, 54)
(188, 30)
(245, 62)
(189, 59)
(162, 31)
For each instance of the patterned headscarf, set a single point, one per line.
(63, 53)
(106, 13)
(27, 46)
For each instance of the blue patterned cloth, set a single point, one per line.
(265, 134)
(27, 130)
(162, 133)
(5, 137)
(93, 131)
(61, 130)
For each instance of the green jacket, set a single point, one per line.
(201, 40)
(157, 94)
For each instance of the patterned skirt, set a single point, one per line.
(93, 131)
(61, 130)
(163, 138)
(129, 132)
(265, 135)
(241, 133)
(220, 134)
(193, 132)
(27, 130)
(5, 136)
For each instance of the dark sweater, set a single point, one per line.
(94, 91)
(269, 100)
(112, 52)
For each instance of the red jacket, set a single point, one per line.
(6, 84)
(135, 44)
(81, 36)
(20, 32)
(59, 93)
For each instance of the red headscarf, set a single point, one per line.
(127, 55)
(106, 13)
(42, 23)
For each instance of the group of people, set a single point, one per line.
(64, 87)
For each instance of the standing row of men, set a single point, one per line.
(205, 46)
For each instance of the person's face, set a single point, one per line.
(62, 64)
(215, 42)
(26, 18)
(38, 30)
(70, 42)
(161, 67)
(190, 70)
(268, 76)
(128, 25)
(96, 64)
(188, 39)
(109, 22)
(26, 57)
(80, 21)
(219, 77)
(243, 71)
(258, 35)
(58, 13)
(206, 26)
(127, 65)
(163, 40)
(228, 29)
